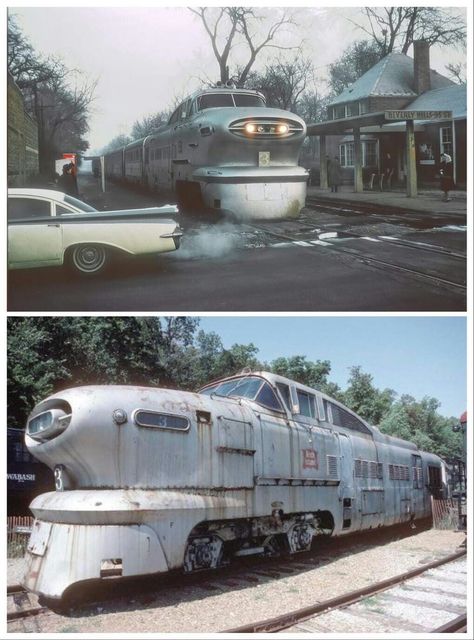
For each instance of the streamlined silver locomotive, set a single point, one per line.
(223, 149)
(149, 479)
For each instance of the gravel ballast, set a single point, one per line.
(234, 602)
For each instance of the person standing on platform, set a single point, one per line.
(386, 172)
(446, 173)
(334, 174)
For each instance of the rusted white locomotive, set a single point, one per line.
(149, 479)
(223, 149)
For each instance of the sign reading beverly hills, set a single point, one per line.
(418, 115)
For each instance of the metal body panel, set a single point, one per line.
(77, 553)
(204, 468)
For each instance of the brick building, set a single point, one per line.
(22, 139)
(397, 82)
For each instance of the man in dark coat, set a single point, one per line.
(386, 172)
(446, 173)
(67, 182)
(334, 174)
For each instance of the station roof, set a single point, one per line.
(451, 98)
(393, 76)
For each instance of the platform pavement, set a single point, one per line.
(430, 201)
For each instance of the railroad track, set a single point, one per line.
(21, 604)
(308, 619)
(250, 570)
(325, 241)
(389, 212)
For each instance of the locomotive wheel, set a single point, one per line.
(89, 258)
(203, 552)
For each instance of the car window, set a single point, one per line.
(25, 208)
(60, 210)
(78, 204)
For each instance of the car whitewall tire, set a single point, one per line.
(88, 258)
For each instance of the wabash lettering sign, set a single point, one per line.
(310, 459)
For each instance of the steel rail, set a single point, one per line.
(25, 613)
(372, 208)
(367, 259)
(279, 623)
(408, 244)
(15, 588)
(458, 625)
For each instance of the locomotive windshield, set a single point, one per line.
(249, 387)
(210, 100)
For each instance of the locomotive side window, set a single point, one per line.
(342, 418)
(153, 419)
(306, 402)
(185, 110)
(321, 412)
(175, 115)
(284, 389)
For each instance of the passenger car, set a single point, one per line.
(47, 227)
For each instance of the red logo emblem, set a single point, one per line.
(310, 459)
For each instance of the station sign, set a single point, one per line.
(418, 115)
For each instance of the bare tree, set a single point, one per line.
(56, 96)
(284, 83)
(148, 124)
(396, 28)
(457, 72)
(116, 143)
(228, 26)
(358, 58)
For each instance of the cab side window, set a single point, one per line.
(27, 208)
(306, 402)
(284, 390)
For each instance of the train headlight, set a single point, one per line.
(283, 128)
(250, 127)
(47, 424)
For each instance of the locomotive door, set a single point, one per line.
(417, 494)
(346, 487)
(235, 451)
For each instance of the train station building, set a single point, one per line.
(396, 120)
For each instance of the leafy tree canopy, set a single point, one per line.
(47, 354)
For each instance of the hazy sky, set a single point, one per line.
(422, 356)
(143, 58)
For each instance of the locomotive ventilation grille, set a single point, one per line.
(265, 128)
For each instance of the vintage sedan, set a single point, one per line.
(47, 228)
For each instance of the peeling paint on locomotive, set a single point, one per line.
(161, 479)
